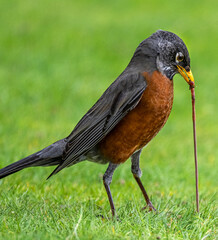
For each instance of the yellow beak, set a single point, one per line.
(187, 75)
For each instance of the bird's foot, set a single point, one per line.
(113, 218)
(149, 207)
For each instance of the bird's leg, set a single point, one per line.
(107, 178)
(136, 171)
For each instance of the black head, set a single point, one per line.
(166, 52)
(171, 51)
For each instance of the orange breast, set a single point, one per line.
(140, 125)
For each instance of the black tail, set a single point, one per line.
(49, 156)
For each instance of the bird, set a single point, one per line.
(127, 116)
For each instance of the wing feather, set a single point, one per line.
(121, 97)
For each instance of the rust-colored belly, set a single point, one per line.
(140, 125)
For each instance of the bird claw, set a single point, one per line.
(150, 207)
(113, 218)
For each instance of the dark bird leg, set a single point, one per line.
(136, 171)
(107, 178)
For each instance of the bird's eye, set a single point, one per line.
(179, 57)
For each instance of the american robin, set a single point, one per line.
(126, 117)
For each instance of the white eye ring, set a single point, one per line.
(179, 57)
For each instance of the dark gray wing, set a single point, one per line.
(121, 97)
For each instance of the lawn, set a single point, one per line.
(56, 59)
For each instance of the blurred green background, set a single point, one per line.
(56, 59)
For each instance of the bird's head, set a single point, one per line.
(168, 53)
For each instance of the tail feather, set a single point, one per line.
(49, 156)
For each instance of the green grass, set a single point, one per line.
(56, 58)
